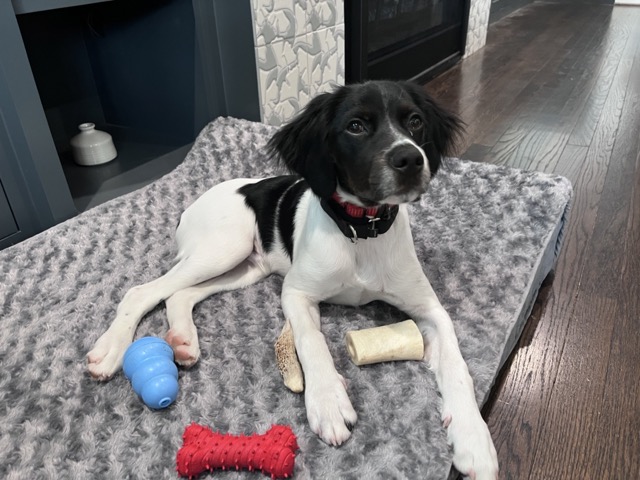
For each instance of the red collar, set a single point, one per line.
(354, 210)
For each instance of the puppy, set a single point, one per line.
(338, 231)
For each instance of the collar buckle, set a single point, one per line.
(372, 230)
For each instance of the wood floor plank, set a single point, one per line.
(529, 147)
(548, 88)
(568, 428)
(579, 412)
(587, 71)
(632, 247)
(618, 426)
(619, 274)
(497, 97)
(537, 137)
(616, 211)
(590, 116)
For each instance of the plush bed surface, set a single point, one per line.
(486, 235)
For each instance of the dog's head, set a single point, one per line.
(375, 143)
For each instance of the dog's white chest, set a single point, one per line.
(353, 296)
(365, 282)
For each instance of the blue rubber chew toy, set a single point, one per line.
(148, 364)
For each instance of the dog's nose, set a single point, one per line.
(406, 159)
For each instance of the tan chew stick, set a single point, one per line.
(398, 341)
(287, 360)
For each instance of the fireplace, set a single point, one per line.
(403, 39)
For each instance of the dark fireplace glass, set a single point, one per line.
(394, 23)
(403, 39)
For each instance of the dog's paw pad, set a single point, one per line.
(186, 351)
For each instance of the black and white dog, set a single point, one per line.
(338, 231)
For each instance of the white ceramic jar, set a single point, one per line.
(92, 147)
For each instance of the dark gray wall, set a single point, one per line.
(237, 55)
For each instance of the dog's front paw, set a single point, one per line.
(185, 345)
(107, 355)
(473, 452)
(329, 411)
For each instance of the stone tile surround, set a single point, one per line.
(299, 53)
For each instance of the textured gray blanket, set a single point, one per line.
(482, 234)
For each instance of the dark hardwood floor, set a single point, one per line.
(557, 89)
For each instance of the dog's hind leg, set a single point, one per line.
(215, 256)
(183, 335)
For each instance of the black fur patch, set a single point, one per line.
(271, 199)
(263, 197)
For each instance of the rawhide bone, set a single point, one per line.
(272, 453)
(398, 341)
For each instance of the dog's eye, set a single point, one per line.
(356, 127)
(415, 123)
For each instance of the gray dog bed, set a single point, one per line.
(486, 235)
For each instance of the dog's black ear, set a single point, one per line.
(303, 145)
(444, 128)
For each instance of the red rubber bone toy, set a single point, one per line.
(272, 453)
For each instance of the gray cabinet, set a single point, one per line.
(34, 194)
(150, 73)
